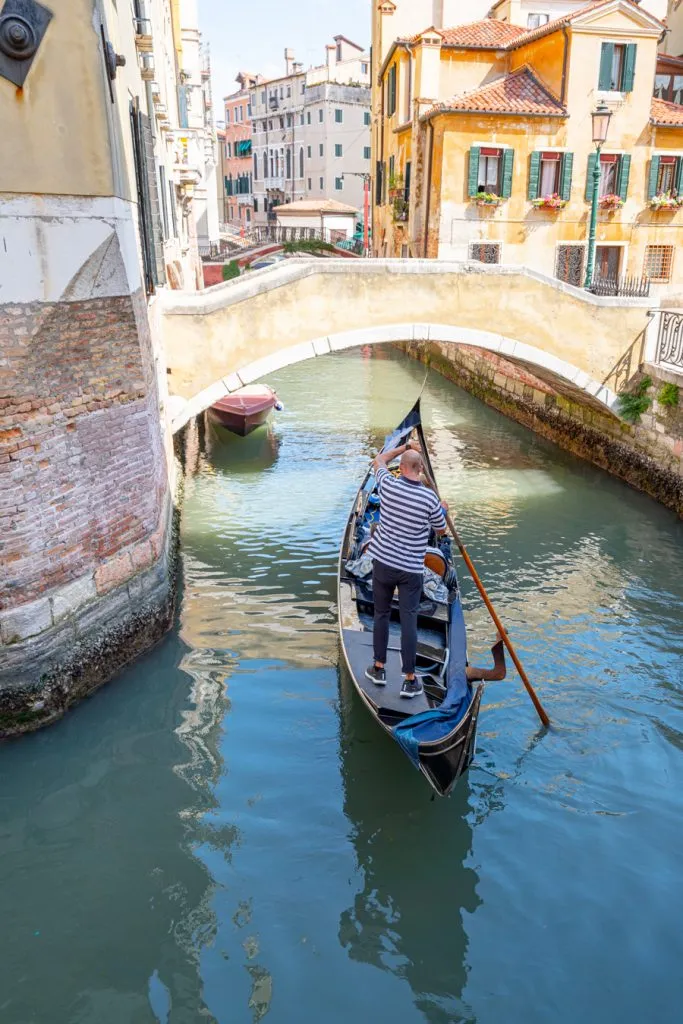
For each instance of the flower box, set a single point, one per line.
(610, 202)
(553, 202)
(665, 201)
(487, 199)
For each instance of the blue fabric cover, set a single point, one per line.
(433, 725)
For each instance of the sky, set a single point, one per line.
(252, 35)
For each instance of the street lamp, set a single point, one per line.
(601, 118)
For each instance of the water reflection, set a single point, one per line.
(412, 854)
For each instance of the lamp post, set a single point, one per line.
(601, 118)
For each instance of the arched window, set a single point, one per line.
(288, 163)
(265, 163)
(277, 165)
(301, 162)
(255, 166)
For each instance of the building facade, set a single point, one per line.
(89, 236)
(485, 150)
(311, 131)
(237, 169)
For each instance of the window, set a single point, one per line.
(536, 20)
(617, 67)
(288, 164)
(321, 149)
(255, 167)
(248, 109)
(308, 117)
(301, 162)
(289, 90)
(366, 117)
(282, 92)
(485, 252)
(264, 126)
(337, 149)
(550, 174)
(310, 185)
(569, 264)
(255, 205)
(228, 149)
(303, 86)
(227, 115)
(614, 175)
(270, 125)
(609, 172)
(338, 116)
(608, 262)
(363, 69)
(321, 115)
(391, 91)
(665, 175)
(265, 164)
(322, 183)
(658, 262)
(339, 184)
(301, 118)
(264, 96)
(490, 170)
(290, 120)
(308, 152)
(282, 122)
(339, 51)
(366, 153)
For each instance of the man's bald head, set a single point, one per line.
(411, 465)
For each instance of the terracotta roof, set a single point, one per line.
(314, 206)
(664, 113)
(485, 35)
(517, 93)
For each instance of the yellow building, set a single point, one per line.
(483, 145)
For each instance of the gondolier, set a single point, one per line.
(408, 511)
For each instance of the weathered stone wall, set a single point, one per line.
(649, 456)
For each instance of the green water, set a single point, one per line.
(223, 835)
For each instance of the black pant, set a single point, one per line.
(384, 583)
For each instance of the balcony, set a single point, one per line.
(143, 35)
(147, 67)
(277, 184)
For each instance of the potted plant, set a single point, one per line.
(395, 185)
(611, 202)
(487, 199)
(666, 201)
(551, 202)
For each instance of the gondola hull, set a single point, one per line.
(445, 756)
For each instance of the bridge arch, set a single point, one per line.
(554, 370)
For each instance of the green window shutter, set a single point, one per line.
(629, 68)
(566, 176)
(589, 176)
(473, 176)
(606, 60)
(508, 157)
(393, 89)
(534, 174)
(652, 179)
(624, 171)
(678, 176)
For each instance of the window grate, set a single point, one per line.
(658, 262)
(485, 252)
(569, 264)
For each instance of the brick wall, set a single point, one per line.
(82, 468)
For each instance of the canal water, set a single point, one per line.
(222, 834)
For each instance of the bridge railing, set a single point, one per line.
(626, 286)
(669, 345)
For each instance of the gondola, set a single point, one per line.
(437, 730)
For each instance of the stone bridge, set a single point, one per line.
(233, 334)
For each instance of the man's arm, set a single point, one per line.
(382, 459)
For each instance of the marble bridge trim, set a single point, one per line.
(182, 411)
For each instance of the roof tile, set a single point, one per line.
(486, 34)
(665, 113)
(517, 93)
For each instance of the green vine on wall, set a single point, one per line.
(632, 404)
(669, 395)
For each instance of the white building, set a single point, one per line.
(311, 131)
(333, 221)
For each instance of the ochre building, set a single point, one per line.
(483, 149)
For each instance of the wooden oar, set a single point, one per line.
(492, 611)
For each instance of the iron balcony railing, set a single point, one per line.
(627, 286)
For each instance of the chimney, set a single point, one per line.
(297, 67)
(331, 55)
(289, 60)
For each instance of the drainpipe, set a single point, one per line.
(565, 57)
(429, 188)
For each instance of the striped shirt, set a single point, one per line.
(407, 511)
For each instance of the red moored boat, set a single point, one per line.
(246, 409)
